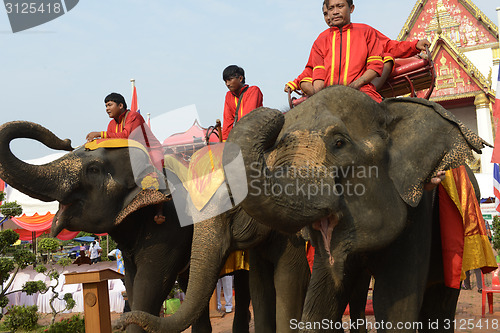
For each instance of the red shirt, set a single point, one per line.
(127, 128)
(397, 49)
(305, 76)
(252, 99)
(341, 56)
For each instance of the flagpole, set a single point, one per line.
(132, 82)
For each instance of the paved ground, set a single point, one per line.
(468, 318)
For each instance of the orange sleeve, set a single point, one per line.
(375, 52)
(228, 116)
(132, 121)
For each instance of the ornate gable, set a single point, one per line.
(456, 76)
(460, 20)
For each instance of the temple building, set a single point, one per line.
(466, 55)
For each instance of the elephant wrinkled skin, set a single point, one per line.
(352, 171)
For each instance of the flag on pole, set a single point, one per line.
(496, 185)
(133, 105)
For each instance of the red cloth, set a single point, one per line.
(133, 105)
(397, 49)
(341, 56)
(131, 126)
(305, 76)
(252, 99)
(452, 239)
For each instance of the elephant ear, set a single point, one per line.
(144, 198)
(424, 138)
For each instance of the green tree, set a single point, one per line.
(496, 233)
(9, 209)
(53, 275)
(19, 258)
(48, 245)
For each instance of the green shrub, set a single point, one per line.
(496, 233)
(21, 317)
(74, 324)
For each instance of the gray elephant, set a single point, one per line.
(353, 172)
(97, 192)
(279, 272)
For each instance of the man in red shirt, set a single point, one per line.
(240, 99)
(126, 124)
(392, 49)
(347, 53)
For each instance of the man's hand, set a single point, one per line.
(92, 136)
(287, 89)
(435, 181)
(421, 44)
(357, 84)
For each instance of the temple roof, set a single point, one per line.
(461, 21)
(456, 75)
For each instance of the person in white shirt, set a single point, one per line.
(94, 252)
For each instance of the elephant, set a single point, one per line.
(97, 192)
(279, 272)
(352, 172)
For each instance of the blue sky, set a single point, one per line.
(57, 74)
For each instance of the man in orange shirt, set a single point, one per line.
(347, 53)
(240, 99)
(392, 49)
(126, 124)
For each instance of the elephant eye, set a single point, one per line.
(93, 169)
(339, 143)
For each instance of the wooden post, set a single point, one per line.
(95, 297)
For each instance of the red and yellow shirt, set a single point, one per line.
(130, 125)
(341, 56)
(252, 99)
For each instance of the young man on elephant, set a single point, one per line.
(240, 99)
(392, 49)
(127, 124)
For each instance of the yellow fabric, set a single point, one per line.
(172, 164)
(451, 188)
(205, 174)
(236, 261)
(477, 251)
(114, 143)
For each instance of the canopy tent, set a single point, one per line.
(84, 239)
(37, 215)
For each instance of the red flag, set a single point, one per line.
(133, 106)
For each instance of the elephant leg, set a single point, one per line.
(202, 324)
(326, 299)
(262, 293)
(439, 306)
(241, 319)
(357, 302)
(401, 273)
(291, 278)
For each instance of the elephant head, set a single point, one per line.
(96, 189)
(346, 166)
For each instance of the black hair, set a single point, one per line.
(233, 71)
(349, 3)
(117, 98)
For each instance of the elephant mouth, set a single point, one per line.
(326, 226)
(60, 222)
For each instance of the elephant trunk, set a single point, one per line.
(208, 255)
(277, 196)
(43, 182)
